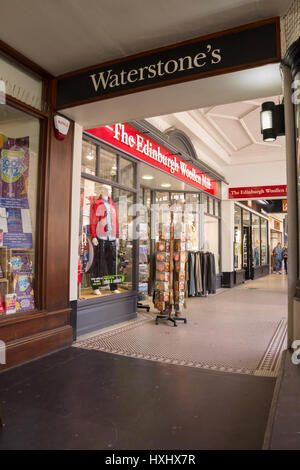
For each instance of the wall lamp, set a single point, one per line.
(272, 121)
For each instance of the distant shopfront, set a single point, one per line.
(251, 244)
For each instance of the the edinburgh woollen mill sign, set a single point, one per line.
(228, 51)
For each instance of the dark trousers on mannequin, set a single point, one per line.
(105, 260)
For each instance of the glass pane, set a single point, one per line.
(192, 221)
(246, 218)
(211, 206)
(177, 199)
(141, 196)
(144, 247)
(161, 197)
(88, 161)
(108, 165)
(19, 161)
(126, 172)
(237, 238)
(255, 240)
(105, 248)
(264, 241)
(211, 238)
(205, 202)
(147, 198)
(217, 208)
(192, 198)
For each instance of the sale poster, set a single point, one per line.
(24, 291)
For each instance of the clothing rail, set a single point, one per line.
(202, 273)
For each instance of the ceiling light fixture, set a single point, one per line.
(148, 177)
(166, 185)
(90, 157)
(272, 121)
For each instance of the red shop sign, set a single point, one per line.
(257, 192)
(125, 137)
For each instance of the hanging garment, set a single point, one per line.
(191, 271)
(104, 261)
(211, 274)
(198, 273)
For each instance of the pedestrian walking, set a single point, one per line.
(277, 252)
(285, 257)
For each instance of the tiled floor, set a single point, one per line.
(240, 330)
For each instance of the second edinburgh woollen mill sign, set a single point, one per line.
(228, 51)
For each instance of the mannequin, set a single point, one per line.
(104, 230)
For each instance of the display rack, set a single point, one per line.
(170, 272)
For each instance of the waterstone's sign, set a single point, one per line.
(228, 51)
(126, 137)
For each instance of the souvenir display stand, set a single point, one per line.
(170, 270)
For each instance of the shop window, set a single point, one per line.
(108, 165)
(147, 198)
(162, 197)
(177, 199)
(107, 229)
(19, 160)
(126, 172)
(246, 218)
(205, 203)
(237, 237)
(264, 241)
(89, 158)
(192, 215)
(217, 208)
(144, 244)
(255, 240)
(211, 238)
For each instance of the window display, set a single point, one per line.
(211, 238)
(255, 240)
(144, 243)
(19, 156)
(108, 165)
(264, 241)
(106, 228)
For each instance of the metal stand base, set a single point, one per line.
(140, 305)
(171, 318)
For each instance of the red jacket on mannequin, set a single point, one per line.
(98, 219)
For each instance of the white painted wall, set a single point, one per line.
(256, 174)
(227, 235)
(75, 211)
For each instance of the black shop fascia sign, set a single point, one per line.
(236, 49)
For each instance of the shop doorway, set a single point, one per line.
(247, 252)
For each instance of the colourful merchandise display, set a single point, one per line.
(170, 287)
